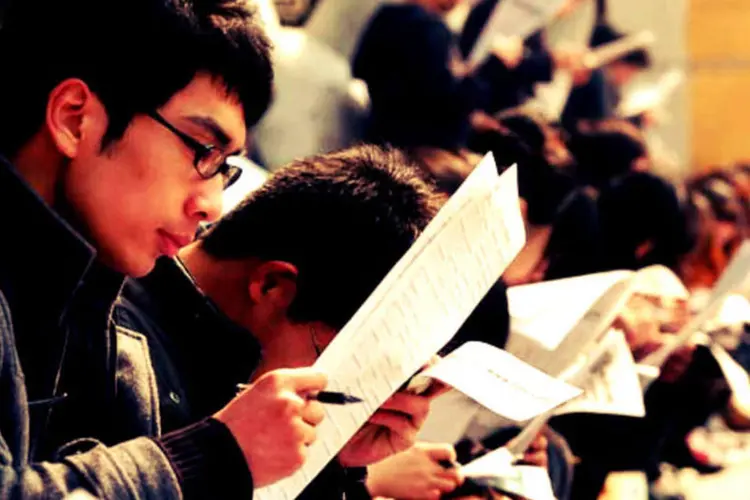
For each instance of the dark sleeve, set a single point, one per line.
(335, 482)
(535, 67)
(474, 25)
(586, 102)
(208, 462)
(404, 57)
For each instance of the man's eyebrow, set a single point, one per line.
(210, 125)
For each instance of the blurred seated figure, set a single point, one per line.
(562, 221)
(422, 92)
(643, 222)
(605, 150)
(534, 62)
(543, 138)
(317, 107)
(720, 223)
(599, 97)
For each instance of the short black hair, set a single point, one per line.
(605, 150)
(541, 185)
(343, 219)
(604, 33)
(638, 208)
(134, 55)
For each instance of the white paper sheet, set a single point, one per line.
(736, 277)
(500, 382)
(735, 375)
(526, 481)
(450, 415)
(416, 309)
(548, 311)
(577, 342)
(611, 384)
(555, 323)
(493, 463)
(513, 18)
(652, 97)
(550, 98)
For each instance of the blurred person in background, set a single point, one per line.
(599, 97)
(606, 150)
(525, 62)
(643, 221)
(719, 214)
(422, 92)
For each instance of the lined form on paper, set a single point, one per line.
(500, 382)
(415, 310)
(610, 385)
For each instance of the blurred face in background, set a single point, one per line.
(621, 73)
(440, 6)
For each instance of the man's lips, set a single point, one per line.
(170, 243)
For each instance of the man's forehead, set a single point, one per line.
(206, 103)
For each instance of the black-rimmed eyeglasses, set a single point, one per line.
(209, 160)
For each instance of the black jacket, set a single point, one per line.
(514, 86)
(199, 356)
(406, 57)
(58, 358)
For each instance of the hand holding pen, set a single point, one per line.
(325, 397)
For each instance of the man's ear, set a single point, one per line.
(67, 107)
(273, 283)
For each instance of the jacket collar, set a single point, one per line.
(174, 298)
(43, 254)
(53, 283)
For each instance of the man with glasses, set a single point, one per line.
(116, 119)
(269, 287)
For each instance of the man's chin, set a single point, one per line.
(133, 267)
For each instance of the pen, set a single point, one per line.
(448, 464)
(325, 397)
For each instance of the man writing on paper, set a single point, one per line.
(270, 286)
(117, 119)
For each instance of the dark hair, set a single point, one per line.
(488, 323)
(720, 191)
(134, 55)
(639, 208)
(529, 127)
(543, 187)
(605, 150)
(447, 168)
(604, 34)
(343, 219)
(573, 247)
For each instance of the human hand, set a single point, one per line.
(391, 429)
(536, 454)
(508, 49)
(415, 473)
(677, 364)
(573, 61)
(273, 422)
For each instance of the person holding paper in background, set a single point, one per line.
(526, 62)
(421, 90)
(270, 285)
(599, 97)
